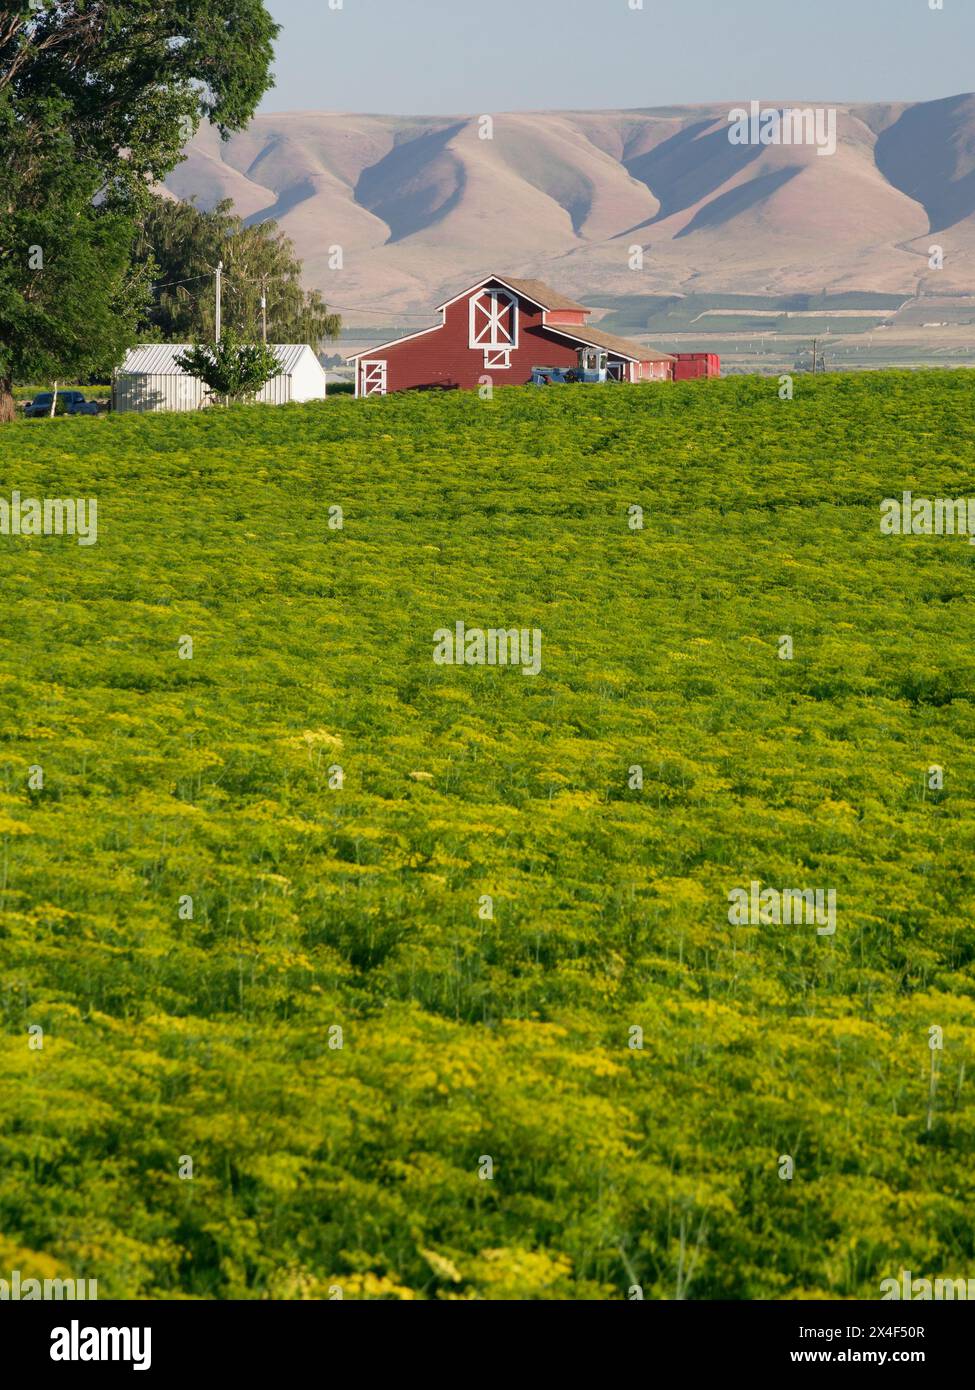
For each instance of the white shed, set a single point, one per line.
(149, 379)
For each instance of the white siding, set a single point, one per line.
(307, 377)
(152, 391)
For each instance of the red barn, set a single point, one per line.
(500, 329)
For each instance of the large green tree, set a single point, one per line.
(71, 295)
(186, 244)
(109, 92)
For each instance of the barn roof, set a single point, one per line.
(542, 294)
(536, 290)
(159, 359)
(623, 347)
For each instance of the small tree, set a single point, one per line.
(230, 370)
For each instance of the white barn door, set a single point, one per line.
(493, 321)
(372, 377)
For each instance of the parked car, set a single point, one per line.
(74, 404)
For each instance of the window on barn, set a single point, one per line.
(497, 359)
(494, 320)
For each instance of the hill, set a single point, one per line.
(341, 1034)
(414, 201)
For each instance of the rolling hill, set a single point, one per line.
(421, 205)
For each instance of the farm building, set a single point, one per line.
(503, 329)
(149, 379)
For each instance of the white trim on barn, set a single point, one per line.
(493, 320)
(149, 379)
(371, 377)
(497, 359)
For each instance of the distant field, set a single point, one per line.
(961, 314)
(675, 313)
(781, 325)
(456, 1009)
(754, 333)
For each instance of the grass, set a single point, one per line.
(375, 1084)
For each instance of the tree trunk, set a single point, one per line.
(54, 400)
(8, 410)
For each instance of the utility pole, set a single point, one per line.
(815, 346)
(264, 308)
(219, 315)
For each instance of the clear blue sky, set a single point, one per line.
(473, 56)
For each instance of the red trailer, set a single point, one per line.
(688, 366)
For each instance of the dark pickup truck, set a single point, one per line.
(74, 404)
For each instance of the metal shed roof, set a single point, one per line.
(159, 359)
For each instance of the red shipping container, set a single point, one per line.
(691, 365)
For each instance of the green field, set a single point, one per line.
(318, 906)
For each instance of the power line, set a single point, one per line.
(371, 309)
(256, 280)
(170, 284)
(346, 308)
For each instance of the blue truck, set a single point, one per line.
(592, 368)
